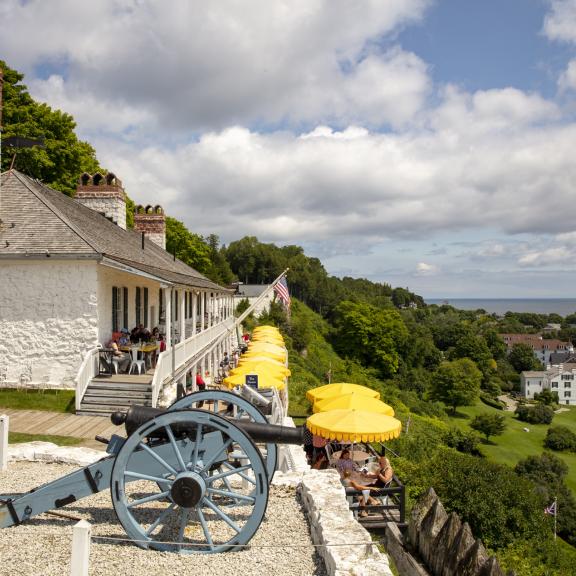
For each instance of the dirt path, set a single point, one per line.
(510, 402)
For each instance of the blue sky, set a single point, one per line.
(423, 143)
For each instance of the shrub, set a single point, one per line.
(489, 424)
(493, 402)
(560, 438)
(538, 414)
(463, 441)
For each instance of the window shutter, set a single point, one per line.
(114, 309)
(146, 307)
(138, 306)
(125, 308)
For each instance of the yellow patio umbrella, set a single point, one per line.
(265, 330)
(279, 341)
(354, 426)
(264, 367)
(260, 357)
(339, 388)
(267, 347)
(353, 401)
(263, 381)
(252, 355)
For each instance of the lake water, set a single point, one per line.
(562, 306)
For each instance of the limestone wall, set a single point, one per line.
(48, 321)
(446, 544)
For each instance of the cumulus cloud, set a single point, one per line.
(205, 64)
(567, 80)
(560, 22)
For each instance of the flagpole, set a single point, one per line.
(555, 514)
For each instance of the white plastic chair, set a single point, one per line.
(140, 364)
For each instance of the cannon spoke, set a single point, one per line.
(222, 515)
(160, 519)
(152, 498)
(158, 458)
(237, 471)
(183, 524)
(175, 447)
(140, 476)
(217, 454)
(205, 529)
(234, 495)
(230, 472)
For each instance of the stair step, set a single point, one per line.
(118, 386)
(111, 400)
(109, 408)
(118, 394)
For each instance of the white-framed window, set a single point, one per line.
(567, 394)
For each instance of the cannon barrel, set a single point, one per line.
(265, 433)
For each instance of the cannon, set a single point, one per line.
(184, 480)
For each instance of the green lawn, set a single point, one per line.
(516, 444)
(49, 400)
(19, 438)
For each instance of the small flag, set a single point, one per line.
(551, 509)
(281, 290)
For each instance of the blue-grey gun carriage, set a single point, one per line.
(185, 480)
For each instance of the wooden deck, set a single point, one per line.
(53, 423)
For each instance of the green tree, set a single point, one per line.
(489, 424)
(219, 270)
(188, 247)
(538, 414)
(548, 473)
(370, 335)
(456, 383)
(546, 397)
(522, 358)
(63, 158)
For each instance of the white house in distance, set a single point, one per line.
(71, 274)
(560, 379)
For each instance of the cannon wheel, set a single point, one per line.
(242, 408)
(191, 482)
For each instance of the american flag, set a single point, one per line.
(551, 509)
(281, 290)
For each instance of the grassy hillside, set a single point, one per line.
(516, 444)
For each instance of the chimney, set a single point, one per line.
(151, 221)
(103, 194)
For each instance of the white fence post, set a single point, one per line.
(80, 549)
(4, 421)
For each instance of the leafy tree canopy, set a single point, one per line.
(522, 358)
(373, 336)
(489, 424)
(456, 383)
(64, 157)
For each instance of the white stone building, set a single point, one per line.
(560, 379)
(71, 274)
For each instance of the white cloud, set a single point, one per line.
(424, 269)
(207, 64)
(567, 80)
(560, 22)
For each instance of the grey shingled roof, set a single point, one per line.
(37, 220)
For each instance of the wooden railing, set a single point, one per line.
(185, 354)
(395, 496)
(88, 370)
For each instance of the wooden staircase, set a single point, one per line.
(106, 395)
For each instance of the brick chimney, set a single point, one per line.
(103, 194)
(152, 221)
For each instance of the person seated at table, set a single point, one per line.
(155, 334)
(384, 473)
(345, 463)
(347, 482)
(161, 343)
(200, 384)
(123, 359)
(140, 333)
(124, 339)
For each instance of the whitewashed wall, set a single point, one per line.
(48, 320)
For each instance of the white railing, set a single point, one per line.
(88, 369)
(185, 353)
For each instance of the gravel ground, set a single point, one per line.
(42, 546)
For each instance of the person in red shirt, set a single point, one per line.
(200, 384)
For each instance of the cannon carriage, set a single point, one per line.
(191, 479)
